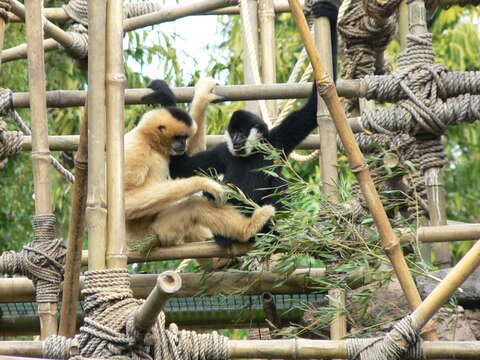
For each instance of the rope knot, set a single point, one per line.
(59, 347)
(6, 101)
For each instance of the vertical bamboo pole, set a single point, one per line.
(403, 23)
(266, 15)
(115, 92)
(359, 167)
(40, 150)
(247, 69)
(71, 281)
(96, 213)
(2, 36)
(433, 176)
(328, 162)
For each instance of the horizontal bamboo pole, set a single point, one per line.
(52, 30)
(21, 289)
(330, 349)
(442, 233)
(199, 250)
(68, 98)
(59, 14)
(70, 142)
(287, 349)
(18, 52)
(168, 283)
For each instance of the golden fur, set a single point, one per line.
(169, 209)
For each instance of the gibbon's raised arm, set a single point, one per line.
(211, 159)
(296, 126)
(325, 8)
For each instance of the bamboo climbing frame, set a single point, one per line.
(106, 233)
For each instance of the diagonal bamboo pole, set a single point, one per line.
(115, 93)
(390, 242)
(40, 150)
(71, 281)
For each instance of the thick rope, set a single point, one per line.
(42, 260)
(10, 142)
(363, 37)
(252, 57)
(6, 108)
(109, 329)
(79, 47)
(402, 342)
(59, 347)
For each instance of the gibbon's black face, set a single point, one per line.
(179, 144)
(244, 130)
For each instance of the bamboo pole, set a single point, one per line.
(2, 36)
(328, 164)
(40, 150)
(52, 30)
(283, 349)
(19, 52)
(96, 213)
(266, 16)
(71, 281)
(59, 14)
(271, 314)
(174, 13)
(449, 233)
(250, 26)
(329, 349)
(68, 98)
(359, 167)
(21, 289)
(70, 142)
(116, 256)
(447, 287)
(198, 250)
(168, 283)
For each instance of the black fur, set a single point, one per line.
(327, 9)
(161, 94)
(180, 115)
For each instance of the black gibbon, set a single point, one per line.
(161, 211)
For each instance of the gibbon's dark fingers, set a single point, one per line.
(214, 190)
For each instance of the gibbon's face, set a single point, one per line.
(168, 129)
(244, 130)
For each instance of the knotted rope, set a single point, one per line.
(59, 347)
(42, 260)
(364, 37)
(402, 342)
(6, 108)
(79, 47)
(423, 111)
(10, 142)
(109, 328)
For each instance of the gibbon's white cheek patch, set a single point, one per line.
(253, 137)
(228, 139)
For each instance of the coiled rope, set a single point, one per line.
(109, 329)
(42, 260)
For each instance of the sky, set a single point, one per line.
(194, 34)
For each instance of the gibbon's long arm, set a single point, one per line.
(198, 112)
(149, 200)
(329, 10)
(296, 126)
(211, 159)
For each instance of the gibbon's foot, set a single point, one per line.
(214, 190)
(258, 219)
(204, 87)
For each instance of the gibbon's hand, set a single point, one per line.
(213, 189)
(325, 8)
(204, 87)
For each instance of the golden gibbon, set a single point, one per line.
(160, 211)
